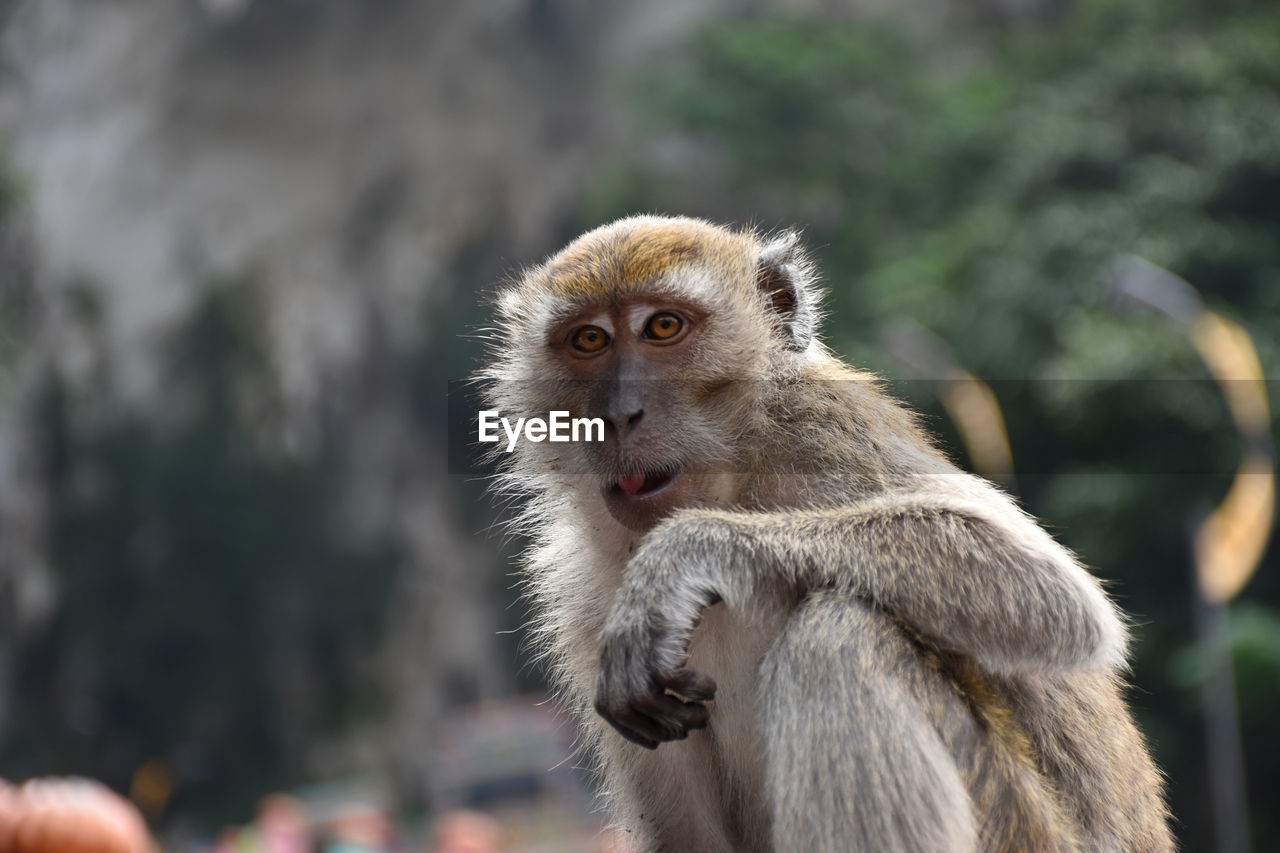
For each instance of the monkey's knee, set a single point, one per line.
(854, 761)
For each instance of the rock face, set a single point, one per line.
(366, 168)
(340, 151)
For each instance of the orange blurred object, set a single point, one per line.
(70, 815)
(467, 832)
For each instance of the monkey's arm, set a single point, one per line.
(984, 581)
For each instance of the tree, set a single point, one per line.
(214, 615)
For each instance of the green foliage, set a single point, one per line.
(985, 187)
(213, 613)
(13, 187)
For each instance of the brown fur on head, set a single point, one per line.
(730, 273)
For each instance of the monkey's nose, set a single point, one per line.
(624, 423)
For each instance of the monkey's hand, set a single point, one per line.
(645, 688)
(647, 696)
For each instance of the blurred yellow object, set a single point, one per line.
(1231, 357)
(69, 816)
(152, 787)
(973, 407)
(1230, 543)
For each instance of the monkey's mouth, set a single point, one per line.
(644, 483)
(640, 499)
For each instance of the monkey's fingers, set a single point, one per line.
(655, 718)
(687, 684)
(668, 718)
(629, 733)
(638, 726)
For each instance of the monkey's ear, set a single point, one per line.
(784, 276)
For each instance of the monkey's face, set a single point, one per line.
(668, 330)
(638, 365)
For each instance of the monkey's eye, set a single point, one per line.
(663, 326)
(590, 339)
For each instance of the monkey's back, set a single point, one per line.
(1052, 762)
(1087, 745)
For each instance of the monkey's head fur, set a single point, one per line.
(668, 329)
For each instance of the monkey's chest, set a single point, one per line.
(729, 754)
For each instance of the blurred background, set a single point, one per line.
(243, 244)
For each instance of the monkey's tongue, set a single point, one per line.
(632, 483)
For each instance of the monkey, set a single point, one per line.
(783, 619)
